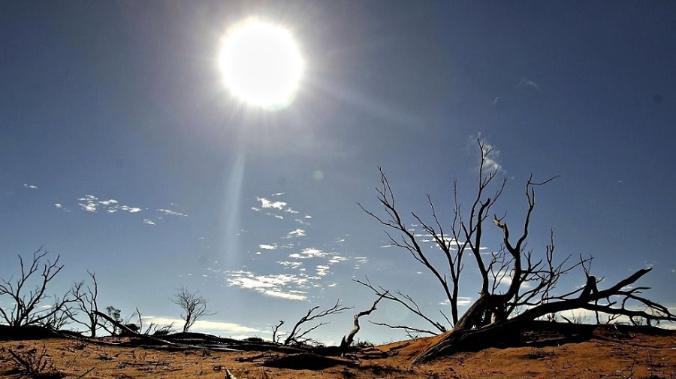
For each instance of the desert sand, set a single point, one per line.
(605, 355)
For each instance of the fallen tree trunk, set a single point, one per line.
(185, 341)
(506, 332)
(132, 332)
(155, 342)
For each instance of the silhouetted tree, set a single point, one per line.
(529, 281)
(194, 306)
(87, 303)
(28, 292)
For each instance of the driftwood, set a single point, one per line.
(346, 342)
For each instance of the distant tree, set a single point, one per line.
(515, 287)
(193, 306)
(28, 292)
(87, 303)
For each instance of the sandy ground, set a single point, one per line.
(641, 356)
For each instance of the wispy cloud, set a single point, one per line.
(309, 253)
(462, 301)
(30, 186)
(266, 246)
(92, 204)
(277, 205)
(359, 261)
(171, 212)
(337, 259)
(265, 203)
(284, 286)
(527, 83)
(61, 207)
(290, 264)
(296, 233)
(303, 271)
(322, 270)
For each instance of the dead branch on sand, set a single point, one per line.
(297, 334)
(346, 342)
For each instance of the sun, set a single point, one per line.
(261, 64)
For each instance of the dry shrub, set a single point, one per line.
(34, 363)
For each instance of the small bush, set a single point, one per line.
(34, 363)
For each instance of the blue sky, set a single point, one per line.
(116, 112)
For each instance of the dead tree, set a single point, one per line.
(87, 303)
(461, 236)
(517, 286)
(194, 306)
(58, 319)
(297, 334)
(346, 342)
(275, 330)
(27, 304)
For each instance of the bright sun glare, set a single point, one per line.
(261, 64)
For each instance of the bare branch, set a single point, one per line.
(87, 302)
(27, 304)
(297, 333)
(347, 340)
(406, 301)
(408, 329)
